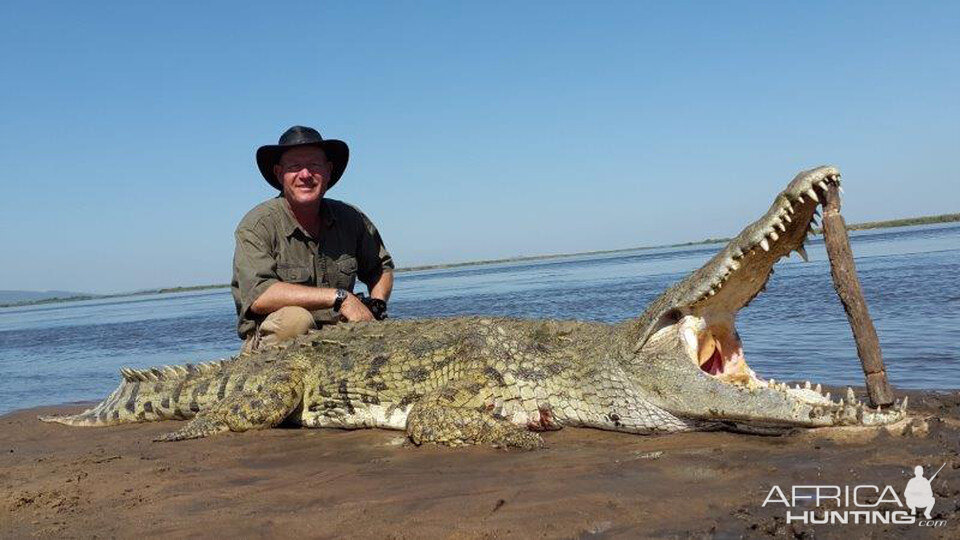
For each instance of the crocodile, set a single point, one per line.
(679, 366)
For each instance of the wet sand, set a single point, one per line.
(57, 481)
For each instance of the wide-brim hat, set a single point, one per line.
(337, 153)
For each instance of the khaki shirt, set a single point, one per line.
(272, 247)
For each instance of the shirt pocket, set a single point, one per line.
(293, 273)
(347, 270)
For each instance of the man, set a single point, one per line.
(299, 255)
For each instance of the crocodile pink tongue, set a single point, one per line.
(714, 364)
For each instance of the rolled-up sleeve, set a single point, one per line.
(254, 267)
(374, 258)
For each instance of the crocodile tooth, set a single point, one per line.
(733, 265)
(806, 385)
(773, 235)
(781, 226)
(903, 406)
(802, 251)
(823, 185)
(842, 403)
(819, 389)
(827, 395)
(765, 245)
(788, 218)
(800, 199)
(712, 292)
(878, 409)
(690, 337)
(789, 207)
(851, 397)
(812, 194)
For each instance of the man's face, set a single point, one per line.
(304, 173)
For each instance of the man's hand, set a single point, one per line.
(353, 310)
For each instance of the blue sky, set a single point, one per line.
(476, 130)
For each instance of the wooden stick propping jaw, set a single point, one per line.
(847, 284)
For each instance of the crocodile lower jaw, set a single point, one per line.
(716, 349)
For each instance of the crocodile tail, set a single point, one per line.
(147, 395)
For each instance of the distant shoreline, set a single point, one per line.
(887, 224)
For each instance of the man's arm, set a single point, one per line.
(375, 263)
(282, 294)
(383, 287)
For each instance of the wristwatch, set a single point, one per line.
(338, 303)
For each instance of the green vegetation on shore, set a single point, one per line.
(80, 297)
(923, 220)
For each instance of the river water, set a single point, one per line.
(797, 330)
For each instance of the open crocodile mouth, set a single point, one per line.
(702, 310)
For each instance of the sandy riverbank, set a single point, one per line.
(74, 482)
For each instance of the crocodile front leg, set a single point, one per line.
(456, 415)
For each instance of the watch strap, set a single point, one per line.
(341, 296)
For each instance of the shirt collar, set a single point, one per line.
(291, 225)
